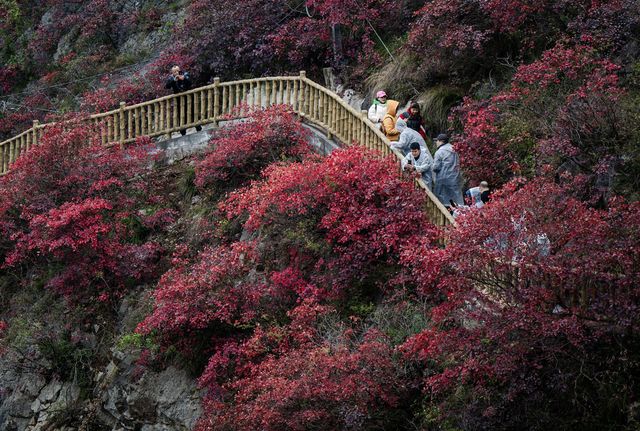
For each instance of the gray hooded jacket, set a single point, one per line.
(423, 165)
(407, 136)
(446, 166)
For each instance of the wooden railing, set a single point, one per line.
(225, 100)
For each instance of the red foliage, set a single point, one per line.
(365, 211)
(461, 40)
(323, 223)
(238, 153)
(290, 377)
(7, 78)
(564, 108)
(324, 387)
(32, 107)
(524, 294)
(266, 36)
(70, 210)
(191, 296)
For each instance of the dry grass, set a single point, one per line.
(403, 82)
(436, 104)
(396, 78)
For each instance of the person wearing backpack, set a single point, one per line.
(378, 109)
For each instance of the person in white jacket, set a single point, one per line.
(419, 160)
(378, 110)
(407, 136)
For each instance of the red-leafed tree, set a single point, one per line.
(240, 152)
(534, 295)
(266, 36)
(70, 214)
(460, 41)
(357, 203)
(324, 227)
(298, 377)
(561, 113)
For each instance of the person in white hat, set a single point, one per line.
(378, 110)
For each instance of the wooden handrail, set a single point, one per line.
(225, 100)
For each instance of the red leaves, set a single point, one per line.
(560, 108)
(522, 284)
(239, 153)
(68, 207)
(194, 296)
(366, 212)
(324, 386)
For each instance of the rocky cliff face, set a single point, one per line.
(37, 394)
(121, 400)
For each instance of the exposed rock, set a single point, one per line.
(169, 399)
(151, 41)
(65, 45)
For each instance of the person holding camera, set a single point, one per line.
(420, 162)
(179, 82)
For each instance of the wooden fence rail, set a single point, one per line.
(226, 100)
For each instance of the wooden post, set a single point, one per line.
(286, 95)
(203, 106)
(216, 100)
(225, 102)
(156, 117)
(189, 99)
(150, 116)
(301, 99)
(294, 100)
(36, 127)
(162, 126)
(195, 110)
(11, 151)
(139, 119)
(121, 123)
(2, 159)
(267, 93)
(363, 126)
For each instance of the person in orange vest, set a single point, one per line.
(389, 121)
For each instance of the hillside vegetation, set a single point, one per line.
(312, 293)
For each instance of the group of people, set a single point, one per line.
(440, 172)
(407, 133)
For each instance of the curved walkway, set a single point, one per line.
(315, 104)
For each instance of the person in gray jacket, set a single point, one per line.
(419, 160)
(446, 167)
(407, 136)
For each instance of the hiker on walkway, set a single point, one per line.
(389, 121)
(378, 110)
(478, 195)
(446, 167)
(414, 119)
(179, 82)
(419, 160)
(407, 136)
